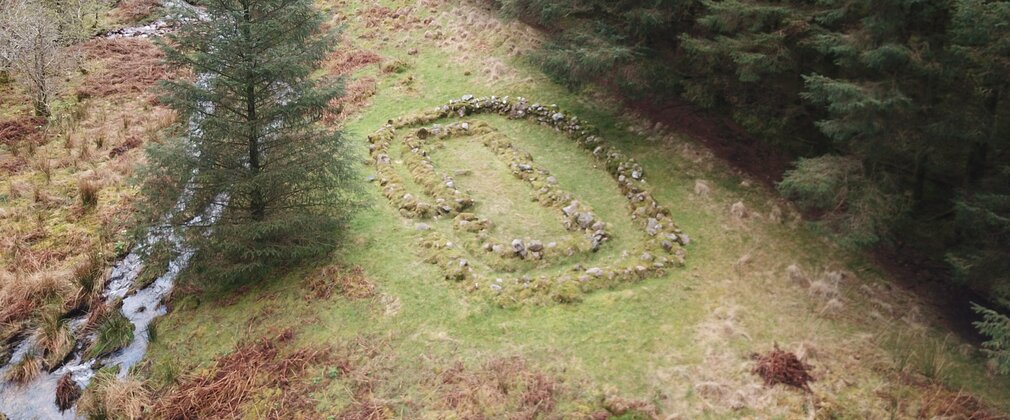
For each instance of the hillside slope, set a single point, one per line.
(379, 331)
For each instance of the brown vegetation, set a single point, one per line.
(940, 403)
(235, 380)
(136, 10)
(67, 392)
(782, 367)
(88, 190)
(130, 67)
(330, 279)
(14, 132)
(505, 385)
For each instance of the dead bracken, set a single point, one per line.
(782, 367)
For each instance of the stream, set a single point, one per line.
(36, 399)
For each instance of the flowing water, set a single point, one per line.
(37, 398)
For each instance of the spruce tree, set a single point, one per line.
(255, 144)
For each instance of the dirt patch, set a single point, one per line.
(130, 66)
(332, 279)
(782, 367)
(502, 385)
(239, 378)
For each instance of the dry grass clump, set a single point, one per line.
(110, 397)
(235, 380)
(131, 67)
(939, 403)
(21, 294)
(330, 279)
(782, 367)
(53, 337)
(88, 191)
(502, 386)
(25, 370)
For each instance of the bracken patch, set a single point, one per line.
(130, 66)
(237, 378)
(782, 367)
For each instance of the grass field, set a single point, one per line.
(678, 345)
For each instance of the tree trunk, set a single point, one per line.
(257, 203)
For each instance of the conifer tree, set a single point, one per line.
(255, 143)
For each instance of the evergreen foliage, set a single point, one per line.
(897, 108)
(256, 146)
(997, 327)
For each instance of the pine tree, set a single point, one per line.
(256, 144)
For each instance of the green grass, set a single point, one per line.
(651, 341)
(113, 333)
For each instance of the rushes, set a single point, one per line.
(113, 333)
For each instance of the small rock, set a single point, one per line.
(370, 178)
(422, 226)
(536, 246)
(636, 174)
(552, 180)
(571, 208)
(552, 244)
(653, 226)
(524, 167)
(517, 246)
(585, 220)
(646, 256)
(467, 97)
(413, 51)
(463, 262)
(595, 272)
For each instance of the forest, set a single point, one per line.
(524, 209)
(892, 115)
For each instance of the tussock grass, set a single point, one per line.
(111, 334)
(25, 370)
(53, 336)
(110, 397)
(88, 192)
